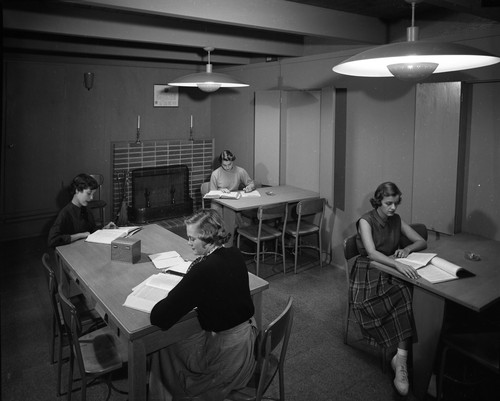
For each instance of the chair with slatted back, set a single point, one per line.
(97, 202)
(205, 189)
(477, 348)
(302, 227)
(270, 227)
(271, 354)
(97, 353)
(89, 319)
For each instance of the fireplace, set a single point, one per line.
(159, 193)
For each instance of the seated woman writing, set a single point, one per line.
(75, 221)
(219, 358)
(382, 303)
(229, 177)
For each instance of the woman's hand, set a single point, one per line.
(110, 225)
(225, 190)
(402, 253)
(406, 270)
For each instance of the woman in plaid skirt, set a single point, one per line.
(381, 302)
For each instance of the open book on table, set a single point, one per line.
(152, 290)
(170, 261)
(106, 236)
(433, 268)
(216, 194)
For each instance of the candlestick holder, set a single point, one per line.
(138, 136)
(191, 134)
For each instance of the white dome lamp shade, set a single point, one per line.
(208, 81)
(414, 60)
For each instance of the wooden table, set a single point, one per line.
(107, 284)
(268, 196)
(476, 293)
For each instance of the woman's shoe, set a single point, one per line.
(401, 376)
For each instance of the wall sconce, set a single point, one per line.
(88, 80)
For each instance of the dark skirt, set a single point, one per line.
(382, 304)
(205, 366)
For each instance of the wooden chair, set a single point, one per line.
(98, 203)
(276, 334)
(97, 353)
(483, 348)
(204, 189)
(351, 251)
(301, 227)
(263, 231)
(89, 319)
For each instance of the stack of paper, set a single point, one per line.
(151, 291)
(171, 261)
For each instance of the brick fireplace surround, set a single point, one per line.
(198, 155)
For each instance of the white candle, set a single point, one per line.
(191, 121)
(138, 122)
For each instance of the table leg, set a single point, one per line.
(257, 303)
(229, 216)
(137, 371)
(428, 310)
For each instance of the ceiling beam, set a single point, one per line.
(270, 15)
(480, 8)
(148, 29)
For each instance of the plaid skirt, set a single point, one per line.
(382, 304)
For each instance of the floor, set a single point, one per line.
(319, 365)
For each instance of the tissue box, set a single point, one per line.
(126, 250)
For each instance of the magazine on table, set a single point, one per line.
(433, 268)
(152, 290)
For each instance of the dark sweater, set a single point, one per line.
(71, 220)
(217, 286)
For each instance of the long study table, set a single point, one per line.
(429, 300)
(106, 283)
(268, 196)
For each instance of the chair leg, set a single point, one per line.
(320, 247)
(346, 323)
(257, 259)
(296, 252)
(439, 382)
(283, 253)
(53, 335)
(70, 374)
(59, 365)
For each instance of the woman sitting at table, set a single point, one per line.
(219, 358)
(75, 221)
(229, 177)
(382, 303)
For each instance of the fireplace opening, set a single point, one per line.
(160, 192)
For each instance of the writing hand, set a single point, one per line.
(401, 253)
(225, 190)
(110, 225)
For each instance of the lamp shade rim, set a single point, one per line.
(209, 78)
(449, 57)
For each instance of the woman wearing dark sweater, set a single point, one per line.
(75, 221)
(219, 358)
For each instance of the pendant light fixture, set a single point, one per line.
(208, 81)
(414, 60)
